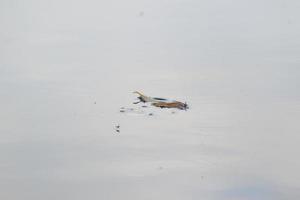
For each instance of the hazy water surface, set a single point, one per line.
(67, 67)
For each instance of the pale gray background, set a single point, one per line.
(235, 61)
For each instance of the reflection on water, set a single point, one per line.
(250, 192)
(67, 69)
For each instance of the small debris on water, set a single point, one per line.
(150, 114)
(122, 109)
(117, 128)
(132, 111)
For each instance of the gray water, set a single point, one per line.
(66, 68)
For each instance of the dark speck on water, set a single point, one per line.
(118, 128)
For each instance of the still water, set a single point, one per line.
(66, 68)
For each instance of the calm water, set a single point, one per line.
(66, 69)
